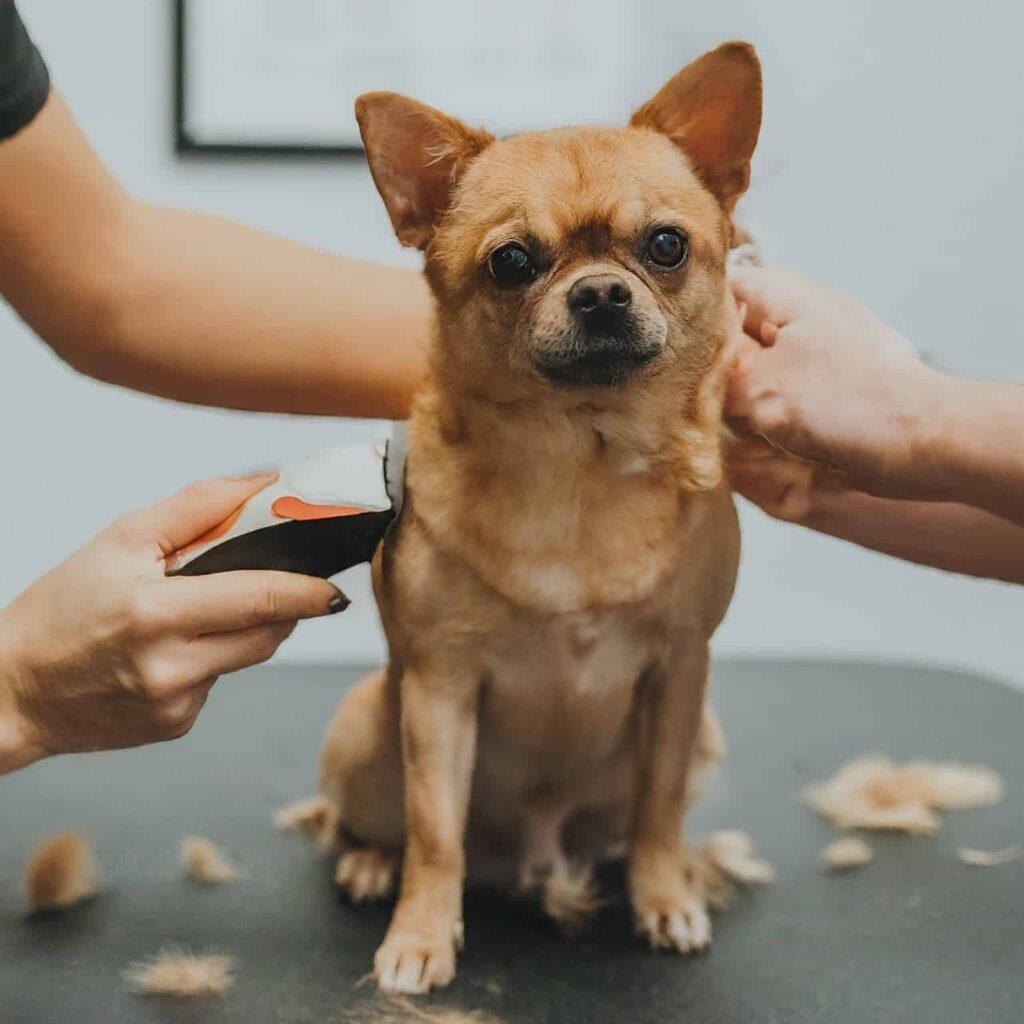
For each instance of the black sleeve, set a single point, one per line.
(24, 81)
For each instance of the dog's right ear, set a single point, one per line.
(416, 154)
(712, 111)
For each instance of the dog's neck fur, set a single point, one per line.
(577, 499)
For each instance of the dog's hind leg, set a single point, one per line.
(361, 777)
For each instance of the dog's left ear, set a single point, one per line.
(416, 154)
(712, 111)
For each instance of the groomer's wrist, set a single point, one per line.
(983, 446)
(19, 746)
(923, 428)
(951, 441)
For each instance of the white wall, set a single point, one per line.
(891, 161)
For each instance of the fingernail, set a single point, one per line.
(338, 603)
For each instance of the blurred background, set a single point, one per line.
(890, 165)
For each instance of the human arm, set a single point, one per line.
(945, 535)
(106, 651)
(193, 307)
(821, 377)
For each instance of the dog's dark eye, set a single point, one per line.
(512, 264)
(667, 247)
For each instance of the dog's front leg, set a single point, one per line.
(670, 908)
(439, 725)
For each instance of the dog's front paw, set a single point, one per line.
(682, 925)
(670, 911)
(414, 962)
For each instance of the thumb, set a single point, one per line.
(185, 516)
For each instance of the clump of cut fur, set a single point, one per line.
(314, 817)
(399, 1010)
(709, 752)
(847, 853)
(177, 972)
(723, 861)
(569, 896)
(367, 874)
(873, 792)
(732, 852)
(61, 872)
(205, 863)
(990, 858)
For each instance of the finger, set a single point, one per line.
(734, 334)
(785, 487)
(766, 485)
(752, 448)
(220, 653)
(226, 601)
(185, 516)
(769, 333)
(771, 295)
(744, 357)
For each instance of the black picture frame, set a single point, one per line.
(186, 145)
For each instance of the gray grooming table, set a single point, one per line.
(916, 936)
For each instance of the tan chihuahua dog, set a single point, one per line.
(567, 547)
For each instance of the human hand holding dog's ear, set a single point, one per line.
(845, 431)
(821, 377)
(105, 651)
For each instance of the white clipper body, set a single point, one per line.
(322, 515)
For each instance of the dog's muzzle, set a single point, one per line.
(596, 360)
(605, 341)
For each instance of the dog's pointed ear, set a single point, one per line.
(712, 111)
(416, 154)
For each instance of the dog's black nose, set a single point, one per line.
(600, 299)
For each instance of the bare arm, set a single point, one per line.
(192, 307)
(974, 448)
(954, 537)
(957, 538)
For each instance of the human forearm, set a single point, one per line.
(218, 314)
(948, 536)
(17, 749)
(223, 315)
(192, 307)
(972, 450)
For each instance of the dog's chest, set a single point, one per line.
(561, 689)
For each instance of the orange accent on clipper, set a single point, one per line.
(289, 507)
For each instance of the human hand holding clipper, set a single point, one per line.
(319, 517)
(106, 651)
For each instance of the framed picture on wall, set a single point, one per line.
(281, 76)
